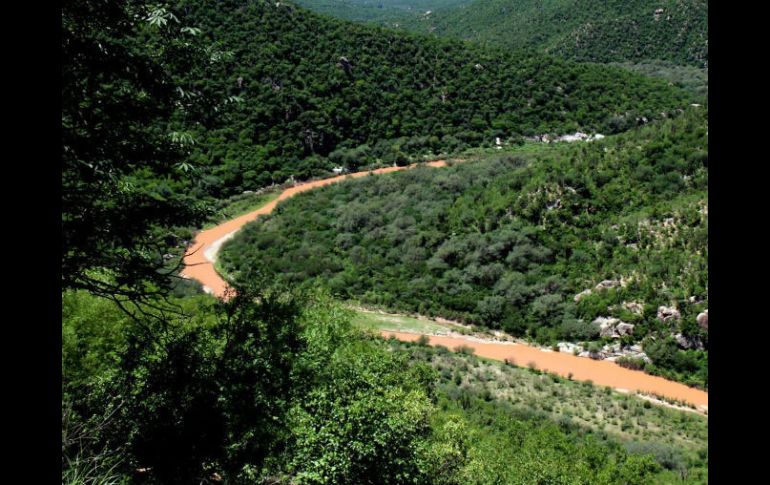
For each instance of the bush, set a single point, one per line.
(465, 349)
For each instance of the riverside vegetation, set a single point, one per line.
(508, 241)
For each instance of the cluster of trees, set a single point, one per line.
(508, 241)
(283, 388)
(384, 95)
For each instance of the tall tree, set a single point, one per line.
(123, 144)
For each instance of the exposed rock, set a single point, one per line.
(612, 327)
(687, 342)
(634, 307)
(569, 348)
(607, 284)
(666, 313)
(582, 294)
(607, 326)
(578, 136)
(345, 64)
(703, 320)
(624, 329)
(611, 349)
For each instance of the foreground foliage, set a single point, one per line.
(285, 391)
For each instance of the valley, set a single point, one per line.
(433, 242)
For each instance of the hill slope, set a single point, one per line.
(509, 242)
(585, 30)
(299, 97)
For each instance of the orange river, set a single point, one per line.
(199, 266)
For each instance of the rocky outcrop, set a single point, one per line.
(634, 307)
(611, 327)
(610, 352)
(624, 329)
(569, 348)
(607, 284)
(667, 314)
(703, 320)
(688, 342)
(607, 326)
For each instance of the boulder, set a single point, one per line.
(607, 326)
(624, 329)
(634, 307)
(607, 284)
(569, 348)
(666, 314)
(688, 342)
(703, 320)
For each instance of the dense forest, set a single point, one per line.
(169, 112)
(354, 95)
(667, 40)
(582, 30)
(385, 12)
(508, 242)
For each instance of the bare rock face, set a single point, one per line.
(624, 329)
(703, 320)
(582, 294)
(666, 314)
(613, 327)
(607, 326)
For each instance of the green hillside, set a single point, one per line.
(582, 30)
(507, 242)
(385, 95)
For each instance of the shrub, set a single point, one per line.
(465, 349)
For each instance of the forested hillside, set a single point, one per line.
(375, 96)
(582, 30)
(508, 242)
(585, 30)
(385, 12)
